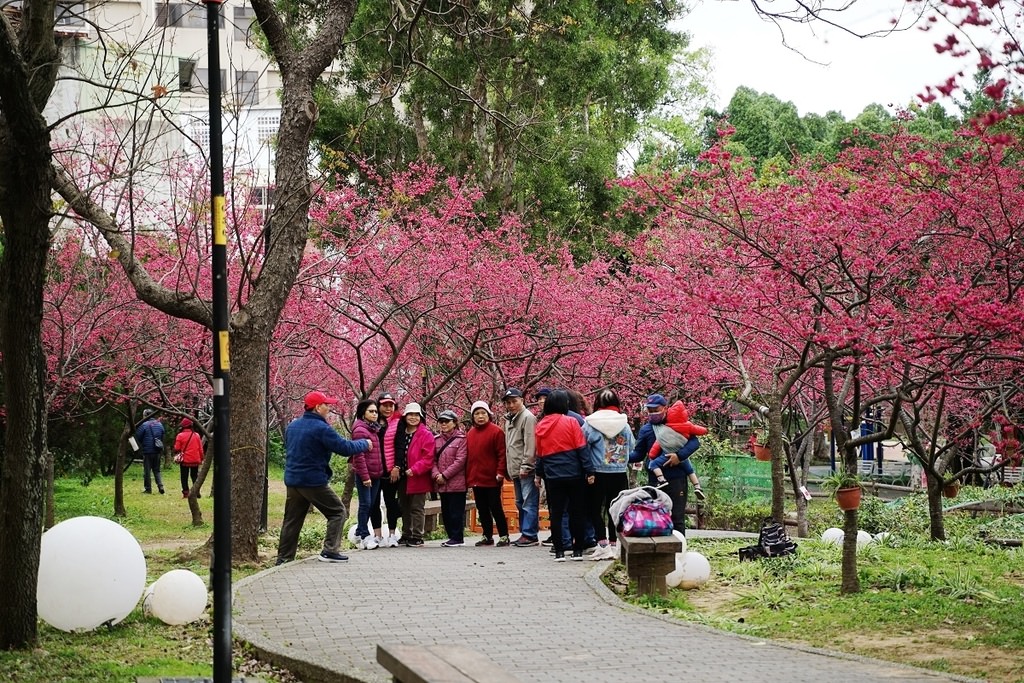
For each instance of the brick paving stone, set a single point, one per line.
(544, 621)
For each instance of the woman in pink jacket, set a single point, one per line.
(188, 453)
(450, 477)
(414, 453)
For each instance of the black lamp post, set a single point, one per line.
(221, 571)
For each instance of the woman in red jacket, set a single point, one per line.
(565, 465)
(414, 446)
(188, 453)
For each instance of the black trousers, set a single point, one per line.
(453, 514)
(489, 510)
(600, 495)
(567, 496)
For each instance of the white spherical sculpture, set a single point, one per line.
(178, 597)
(696, 571)
(682, 539)
(91, 572)
(864, 538)
(675, 577)
(833, 536)
(882, 536)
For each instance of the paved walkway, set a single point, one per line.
(544, 621)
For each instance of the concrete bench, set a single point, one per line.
(440, 664)
(648, 560)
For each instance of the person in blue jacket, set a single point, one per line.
(309, 442)
(677, 486)
(150, 437)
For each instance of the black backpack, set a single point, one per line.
(771, 542)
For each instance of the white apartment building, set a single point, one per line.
(142, 64)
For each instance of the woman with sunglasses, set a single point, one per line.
(449, 475)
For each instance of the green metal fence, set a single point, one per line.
(744, 477)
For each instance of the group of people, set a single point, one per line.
(580, 458)
(188, 452)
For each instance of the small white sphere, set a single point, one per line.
(178, 597)
(682, 539)
(675, 577)
(91, 572)
(881, 536)
(864, 538)
(696, 571)
(834, 536)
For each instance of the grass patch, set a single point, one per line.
(951, 607)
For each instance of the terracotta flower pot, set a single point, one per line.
(762, 453)
(950, 490)
(848, 499)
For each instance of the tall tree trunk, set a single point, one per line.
(25, 210)
(248, 441)
(851, 582)
(28, 71)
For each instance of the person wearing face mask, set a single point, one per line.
(675, 476)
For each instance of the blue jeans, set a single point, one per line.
(528, 504)
(368, 495)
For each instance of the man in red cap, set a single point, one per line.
(309, 442)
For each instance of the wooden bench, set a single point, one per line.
(440, 664)
(432, 514)
(648, 560)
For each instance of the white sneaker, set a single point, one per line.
(370, 543)
(602, 552)
(392, 541)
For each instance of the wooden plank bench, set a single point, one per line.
(440, 664)
(432, 514)
(648, 560)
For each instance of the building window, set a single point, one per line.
(243, 23)
(246, 92)
(201, 134)
(185, 15)
(69, 14)
(202, 79)
(266, 128)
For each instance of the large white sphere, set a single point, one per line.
(179, 597)
(834, 536)
(696, 571)
(864, 538)
(682, 539)
(673, 578)
(91, 572)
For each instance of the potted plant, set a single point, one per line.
(845, 488)
(762, 451)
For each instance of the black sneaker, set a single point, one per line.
(484, 541)
(547, 541)
(328, 556)
(525, 542)
(281, 561)
(699, 494)
(559, 557)
(503, 542)
(577, 556)
(414, 543)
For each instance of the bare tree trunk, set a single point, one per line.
(49, 516)
(851, 582)
(778, 460)
(122, 453)
(936, 518)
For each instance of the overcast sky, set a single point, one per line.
(852, 72)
